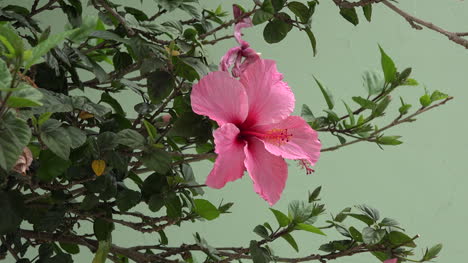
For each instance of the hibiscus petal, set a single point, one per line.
(268, 172)
(220, 97)
(301, 141)
(270, 99)
(393, 260)
(229, 165)
(229, 58)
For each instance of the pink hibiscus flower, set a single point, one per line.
(241, 56)
(393, 260)
(256, 130)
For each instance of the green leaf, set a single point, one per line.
(369, 211)
(5, 76)
(313, 197)
(350, 113)
(388, 66)
(300, 10)
(313, 41)
(107, 98)
(51, 166)
(364, 103)
(437, 95)
(371, 236)
(341, 216)
(355, 234)
(283, 220)
(24, 96)
(102, 252)
(70, 248)
(278, 4)
(380, 108)
(131, 138)
(157, 160)
(258, 254)
(291, 241)
(127, 199)
(152, 132)
(276, 30)
(299, 211)
(400, 239)
(363, 218)
(350, 15)
(425, 100)
(122, 60)
(77, 136)
(388, 222)
(261, 231)
(14, 136)
(56, 138)
(307, 114)
(261, 16)
(102, 229)
(89, 202)
(13, 209)
(389, 140)
(367, 10)
(404, 107)
(432, 252)
(43, 47)
(107, 35)
(326, 94)
(309, 228)
(197, 65)
(374, 82)
(160, 85)
(169, 5)
(10, 39)
(205, 209)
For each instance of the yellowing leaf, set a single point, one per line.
(98, 167)
(85, 115)
(173, 53)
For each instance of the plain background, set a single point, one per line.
(421, 183)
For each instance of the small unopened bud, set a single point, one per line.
(166, 118)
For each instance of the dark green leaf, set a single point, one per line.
(107, 98)
(127, 199)
(355, 234)
(122, 60)
(300, 10)
(380, 108)
(24, 96)
(350, 15)
(77, 136)
(340, 217)
(276, 30)
(313, 41)
(364, 103)
(51, 166)
(56, 138)
(371, 236)
(70, 248)
(261, 231)
(400, 239)
(367, 10)
(12, 207)
(282, 219)
(299, 211)
(291, 241)
(157, 160)
(313, 197)
(261, 16)
(131, 138)
(160, 85)
(326, 94)
(102, 229)
(14, 136)
(363, 218)
(259, 254)
(432, 252)
(278, 4)
(369, 211)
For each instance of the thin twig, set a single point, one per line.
(417, 23)
(395, 122)
(122, 21)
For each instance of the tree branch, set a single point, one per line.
(347, 4)
(418, 24)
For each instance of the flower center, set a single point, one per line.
(273, 136)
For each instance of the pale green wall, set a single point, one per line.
(421, 183)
